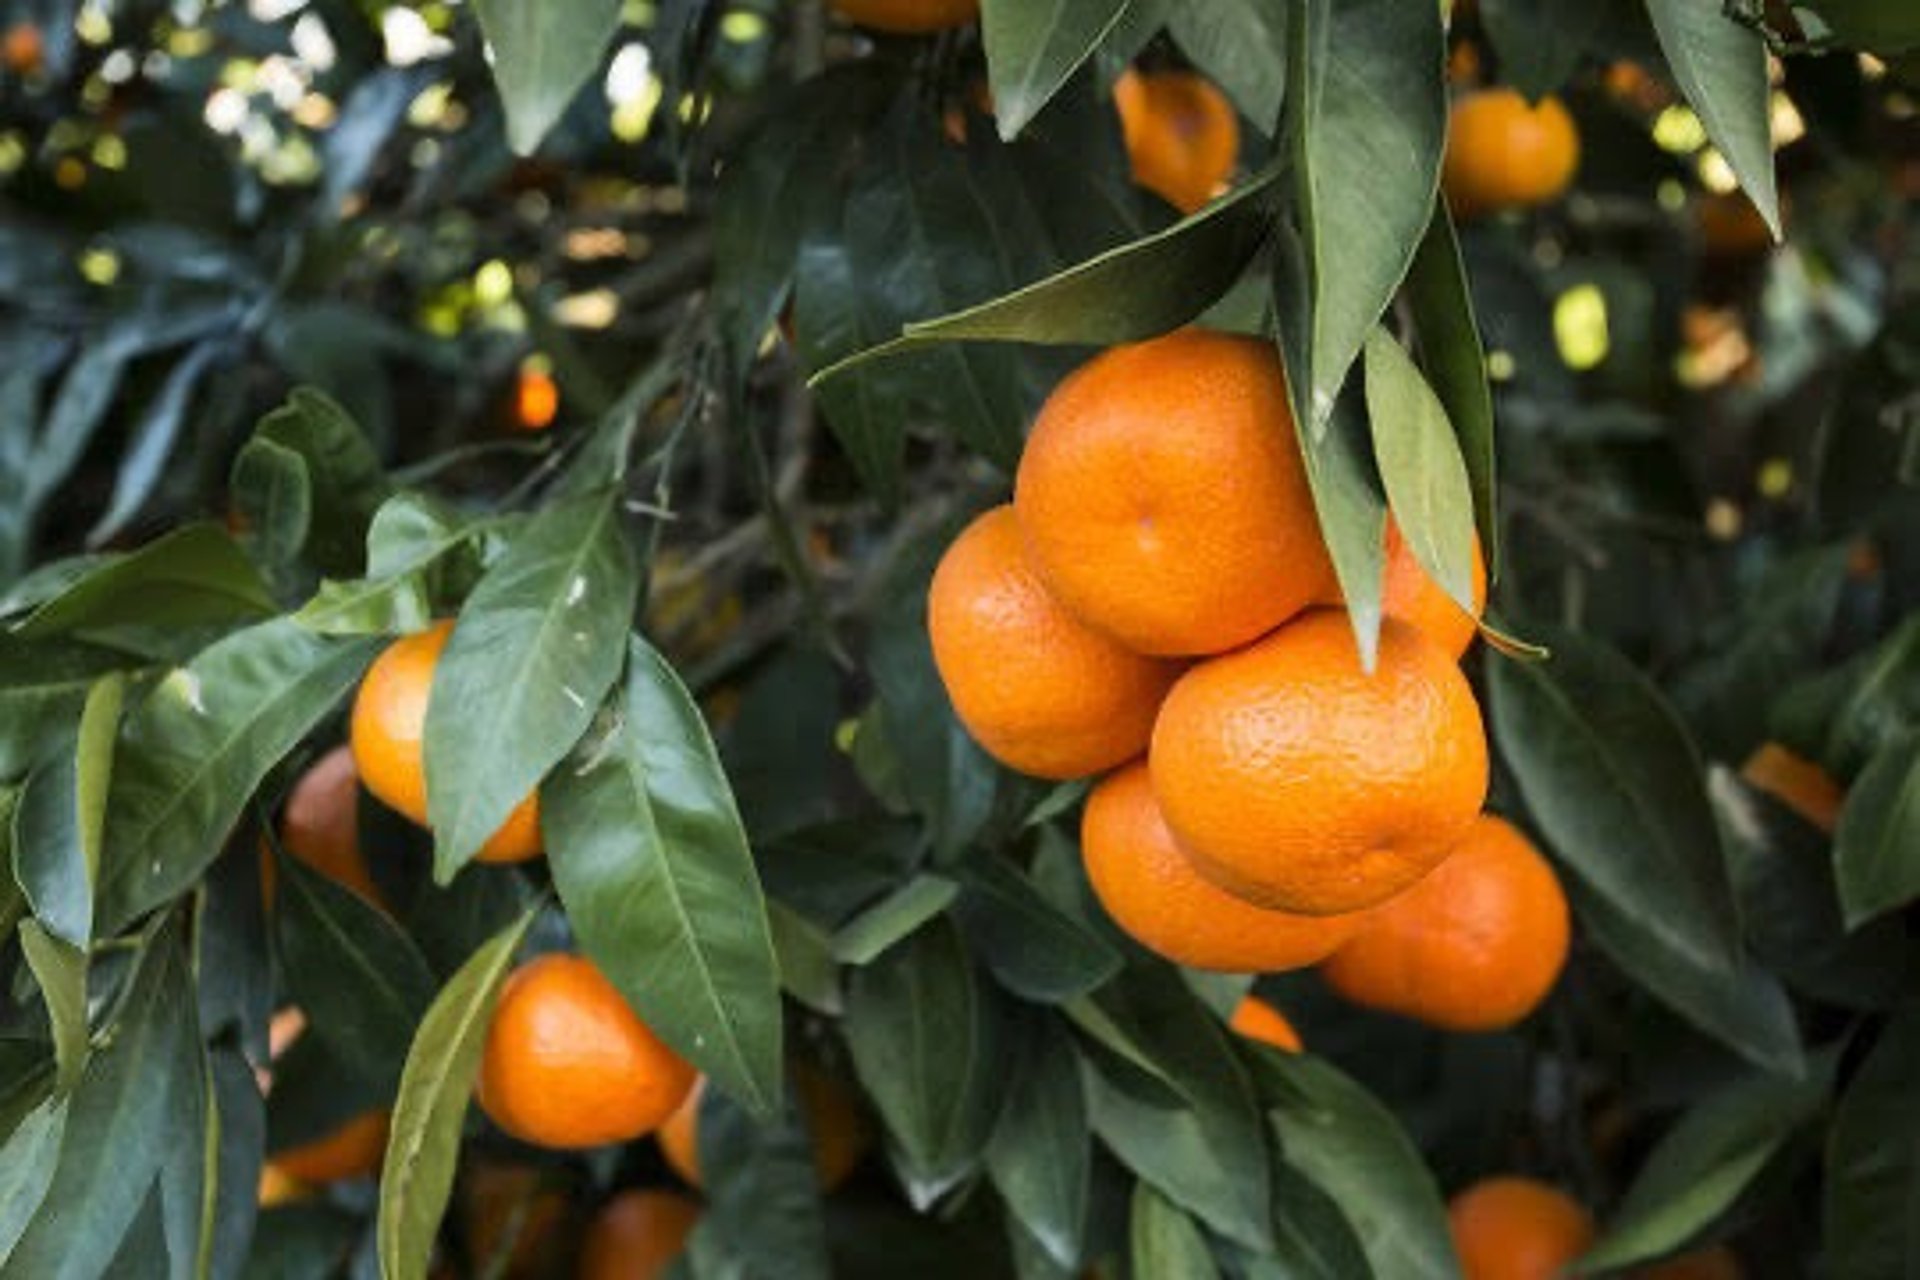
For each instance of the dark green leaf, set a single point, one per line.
(196, 749)
(188, 1183)
(424, 1145)
(1721, 65)
(1421, 466)
(1033, 46)
(1037, 951)
(190, 576)
(1873, 1161)
(1313, 1239)
(27, 1162)
(763, 1216)
(544, 51)
(807, 970)
(1876, 850)
(1241, 45)
(1041, 1151)
(869, 935)
(1847, 715)
(653, 867)
(62, 816)
(348, 485)
(304, 1241)
(1539, 42)
(1873, 25)
(537, 646)
(1164, 1241)
(144, 462)
(1448, 341)
(60, 971)
(240, 1133)
(43, 686)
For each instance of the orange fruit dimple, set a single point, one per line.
(1163, 496)
(638, 1236)
(1182, 135)
(1504, 154)
(567, 1064)
(1475, 946)
(1038, 690)
(354, 1150)
(1255, 1019)
(1297, 781)
(389, 719)
(834, 1122)
(908, 17)
(1797, 783)
(1513, 1228)
(1152, 891)
(1716, 1262)
(321, 826)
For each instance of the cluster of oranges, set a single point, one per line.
(1517, 1228)
(1157, 605)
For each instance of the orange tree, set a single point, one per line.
(471, 479)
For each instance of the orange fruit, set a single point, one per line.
(277, 1187)
(1716, 1262)
(1513, 1228)
(536, 400)
(1409, 593)
(320, 825)
(1255, 1019)
(1039, 691)
(1297, 781)
(1795, 782)
(1163, 496)
(568, 1064)
(1730, 227)
(389, 717)
(23, 50)
(1465, 67)
(908, 17)
(1475, 946)
(638, 1236)
(1182, 135)
(354, 1150)
(502, 1200)
(834, 1122)
(1152, 891)
(1504, 154)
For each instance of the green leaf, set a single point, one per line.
(544, 51)
(1721, 65)
(410, 538)
(807, 970)
(874, 931)
(152, 439)
(1539, 42)
(923, 1037)
(273, 498)
(227, 1196)
(347, 484)
(190, 576)
(763, 1214)
(1847, 715)
(1873, 1161)
(424, 1145)
(1354, 1150)
(60, 970)
(1033, 46)
(1447, 338)
(1137, 290)
(1241, 45)
(652, 864)
(1353, 517)
(188, 1183)
(1040, 1156)
(1873, 25)
(1610, 774)
(360, 979)
(1037, 951)
(1876, 849)
(27, 1163)
(1164, 1241)
(117, 1126)
(1313, 1239)
(43, 685)
(1703, 1164)
(195, 750)
(62, 816)
(1420, 464)
(537, 646)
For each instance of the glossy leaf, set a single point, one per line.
(1312, 1237)
(424, 1146)
(652, 864)
(27, 1162)
(544, 52)
(61, 818)
(43, 685)
(410, 537)
(1041, 1152)
(1241, 45)
(197, 748)
(60, 971)
(537, 646)
(1539, 42)
(273, 502)
(1033, 46)
(190, 576)
(870, 934)
(1164, 1241)
(763, 1215)
(1447, 339)
(1037, 951)
(1873, 1161)
(153, 439)
(1876, 849)
(1421, 466)
(805, 952)
(347, 484)
(1721, 65)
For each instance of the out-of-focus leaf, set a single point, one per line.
(1847, 715)
(143, 464)
(1721, 65)
(1421, 466)
(192, 575)
(1041, 1151)
(1872, 25)
(1876, 850)
(273, 502)
(544, 51)
(763, 1214)
(1164, 1241)
(1873, 1161)
(1036, 950)
(367, 120)
(1033, 46)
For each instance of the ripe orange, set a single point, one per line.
(1730, 227)
(536, 400)
(1796, 782)
(1505, 154)
(1475, 946)
(1716, 1262)
(1182, 135)
(321, 826)
(1409, 593)
(23, 50)
(1152, 891)
(354, 1150)
(277, 1188)
(908, 17)
(1042, 693)
(1163, 496)
(1255, 1019)
(1297, 781)
(834, 1121)
(1513, 1228)
(638, 1236)
(568, 1064)
(501, 1199)
(389, 716)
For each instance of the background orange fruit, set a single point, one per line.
(1255, 1019)
(1795, 782)
(1163, 496)
(354, 1150)
(389, 719)
(1182, 135)
(835, 1124)
(1475, 946)
(568, 1064)
(1503, 153)
(1513, 1228)
(1038, 690)
(1729, 225)
(518, 1210)
(908, 17)
(1152, 891)
(320, 825)
(638, 1236)
(1297, 781)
